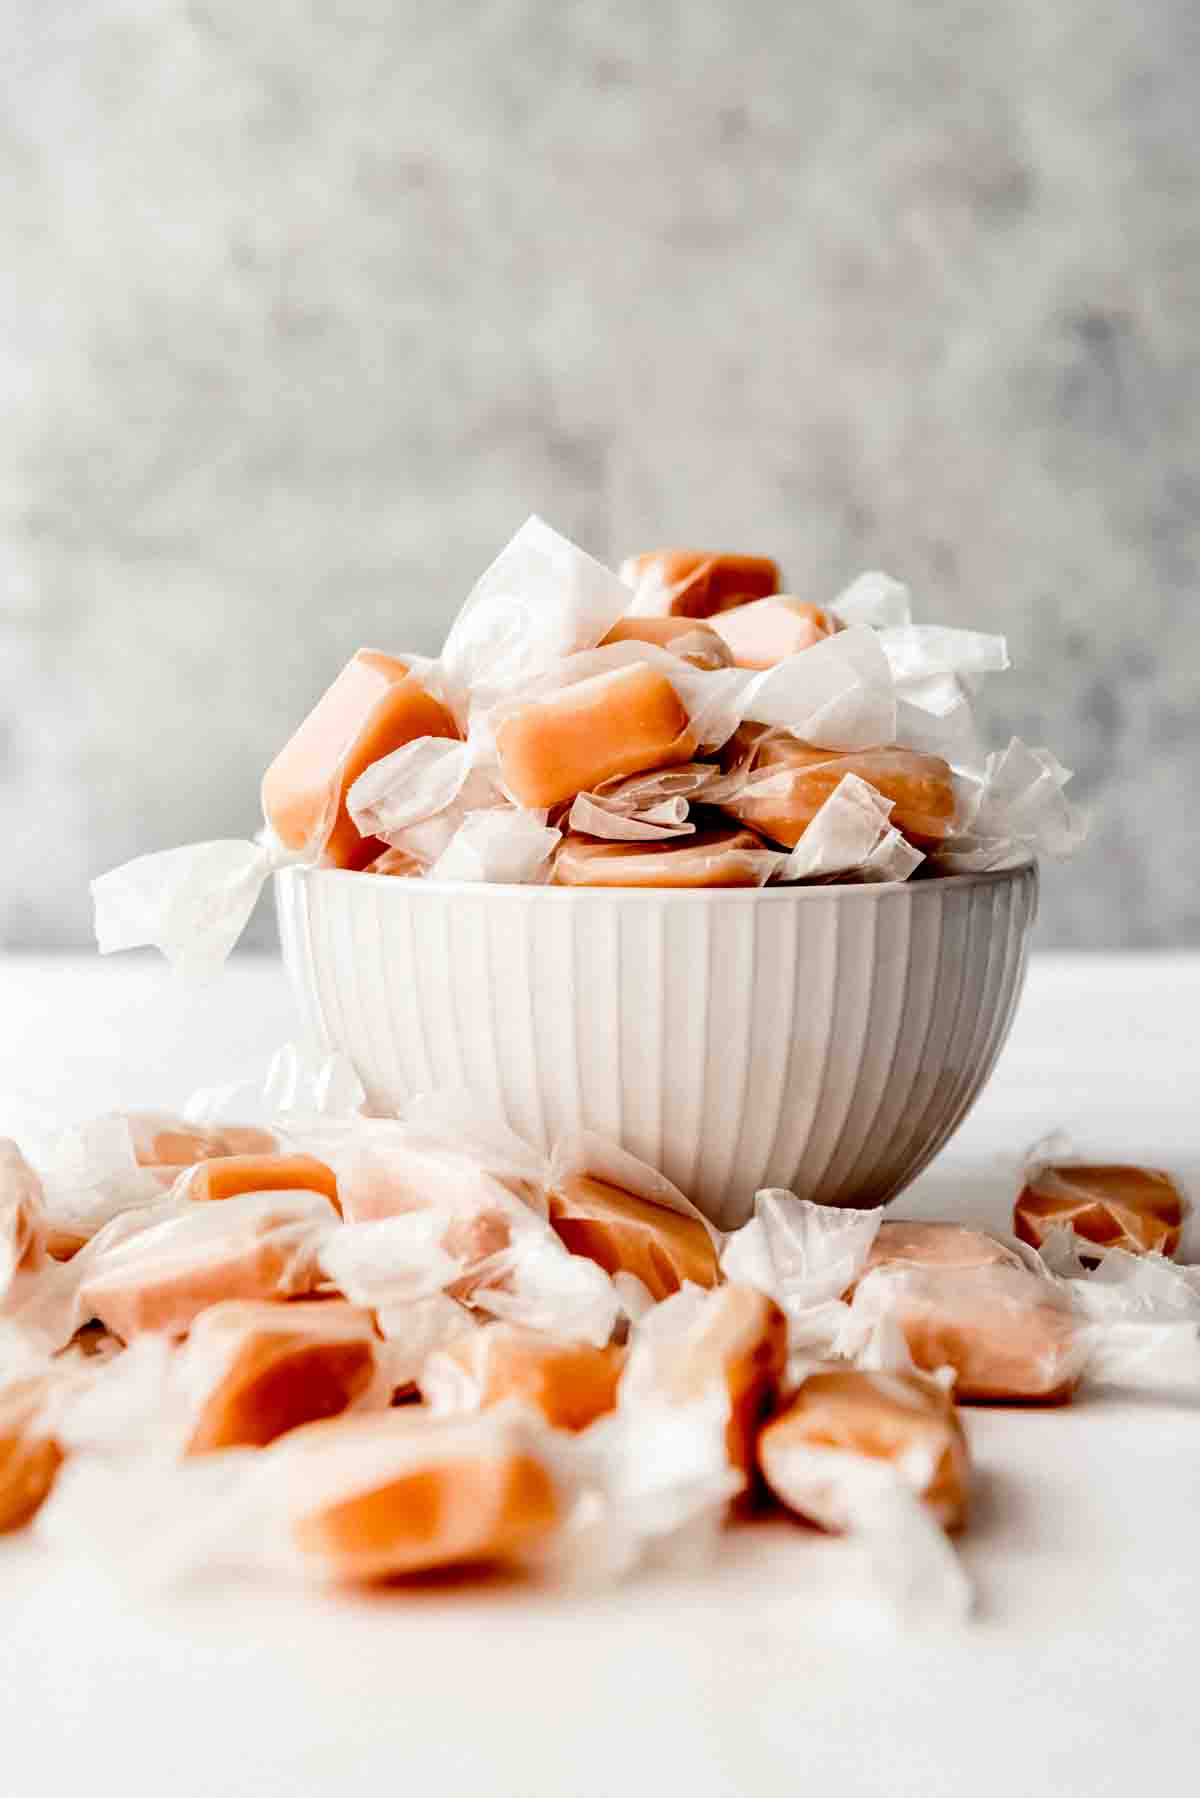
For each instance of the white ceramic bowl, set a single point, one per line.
(826, 1039)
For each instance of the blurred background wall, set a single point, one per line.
(307, 303)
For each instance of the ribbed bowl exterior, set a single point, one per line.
(826, 1039)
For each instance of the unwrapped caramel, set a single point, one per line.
(375, 706)
(687, 638)
(258, 1370)
(570, 1383)
(906, 1420)
(695, 583)
(785, 783)
(400, 1492)
(231, 1175)
(769, 630)
(1125, 1207)
(630, 1235)
(620, 722)
(715, 856)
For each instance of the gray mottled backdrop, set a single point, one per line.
(306, 303)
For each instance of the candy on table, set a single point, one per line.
(785, 783)
(161, 1140)
(569, 1383)
(695, 583)
(230, 1175)
(161, 1273)
(375, 705)
(913, 1243)
(626, 1234)
(22, 1220)
(733, 1337)
(906, 1420)
(715, 856)
(619, 722)
(687, 638)
(1116, 1206)
(386, 1493)
(255, 1370)
(767, 631)
(1008, 1333)
(30, 1456)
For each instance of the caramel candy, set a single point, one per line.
(1007, 1333)
(1135, 1208)
(721, 856)
(769, 630)
(397, 1492)
(163, 1141)
(29, 1455)
(695, 583)
(620, 722)
(802, 777)
(162, 1275)
(686, 638)
(22, 1222)
(265, 1369)
(905, 1242)
(230, 1175)
(629, 1235)
(374, 706)
(734, 1336)
(570, 1383)
(904, 1419)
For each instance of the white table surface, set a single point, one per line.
(1080, 1675)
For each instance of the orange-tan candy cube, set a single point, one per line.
(721, 856)
(797, 778)
(230, 1175)
(1135, 1208)
(905, 1419)
(909, 1243)
(767, 631)
(686, 638)
(630, 1235)
(163, 1141)
(733, 1336)
(264, 1369)
(621, 722)
(375, 706)
(161, 1275)
(570, 1383)
(29, 1455)
(387, 1493)
(1009, 1335)
(695, 583)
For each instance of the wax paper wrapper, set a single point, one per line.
(642, 808)
(22, 1219)
(192, 903)
(805, 1257)
(299, 1096)
(851, 834)
(1015, 808)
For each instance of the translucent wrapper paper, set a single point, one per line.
(1014, 809)
(643, 808)
(1112, 1205)
(22, 1219)
(852, 834)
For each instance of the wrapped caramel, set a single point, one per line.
(696, 583)
(1114, 1205)
(905, 1420)
(569, 1383)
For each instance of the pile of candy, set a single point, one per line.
(361, 1347)
(683, 725)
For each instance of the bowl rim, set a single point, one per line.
(865, 891)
